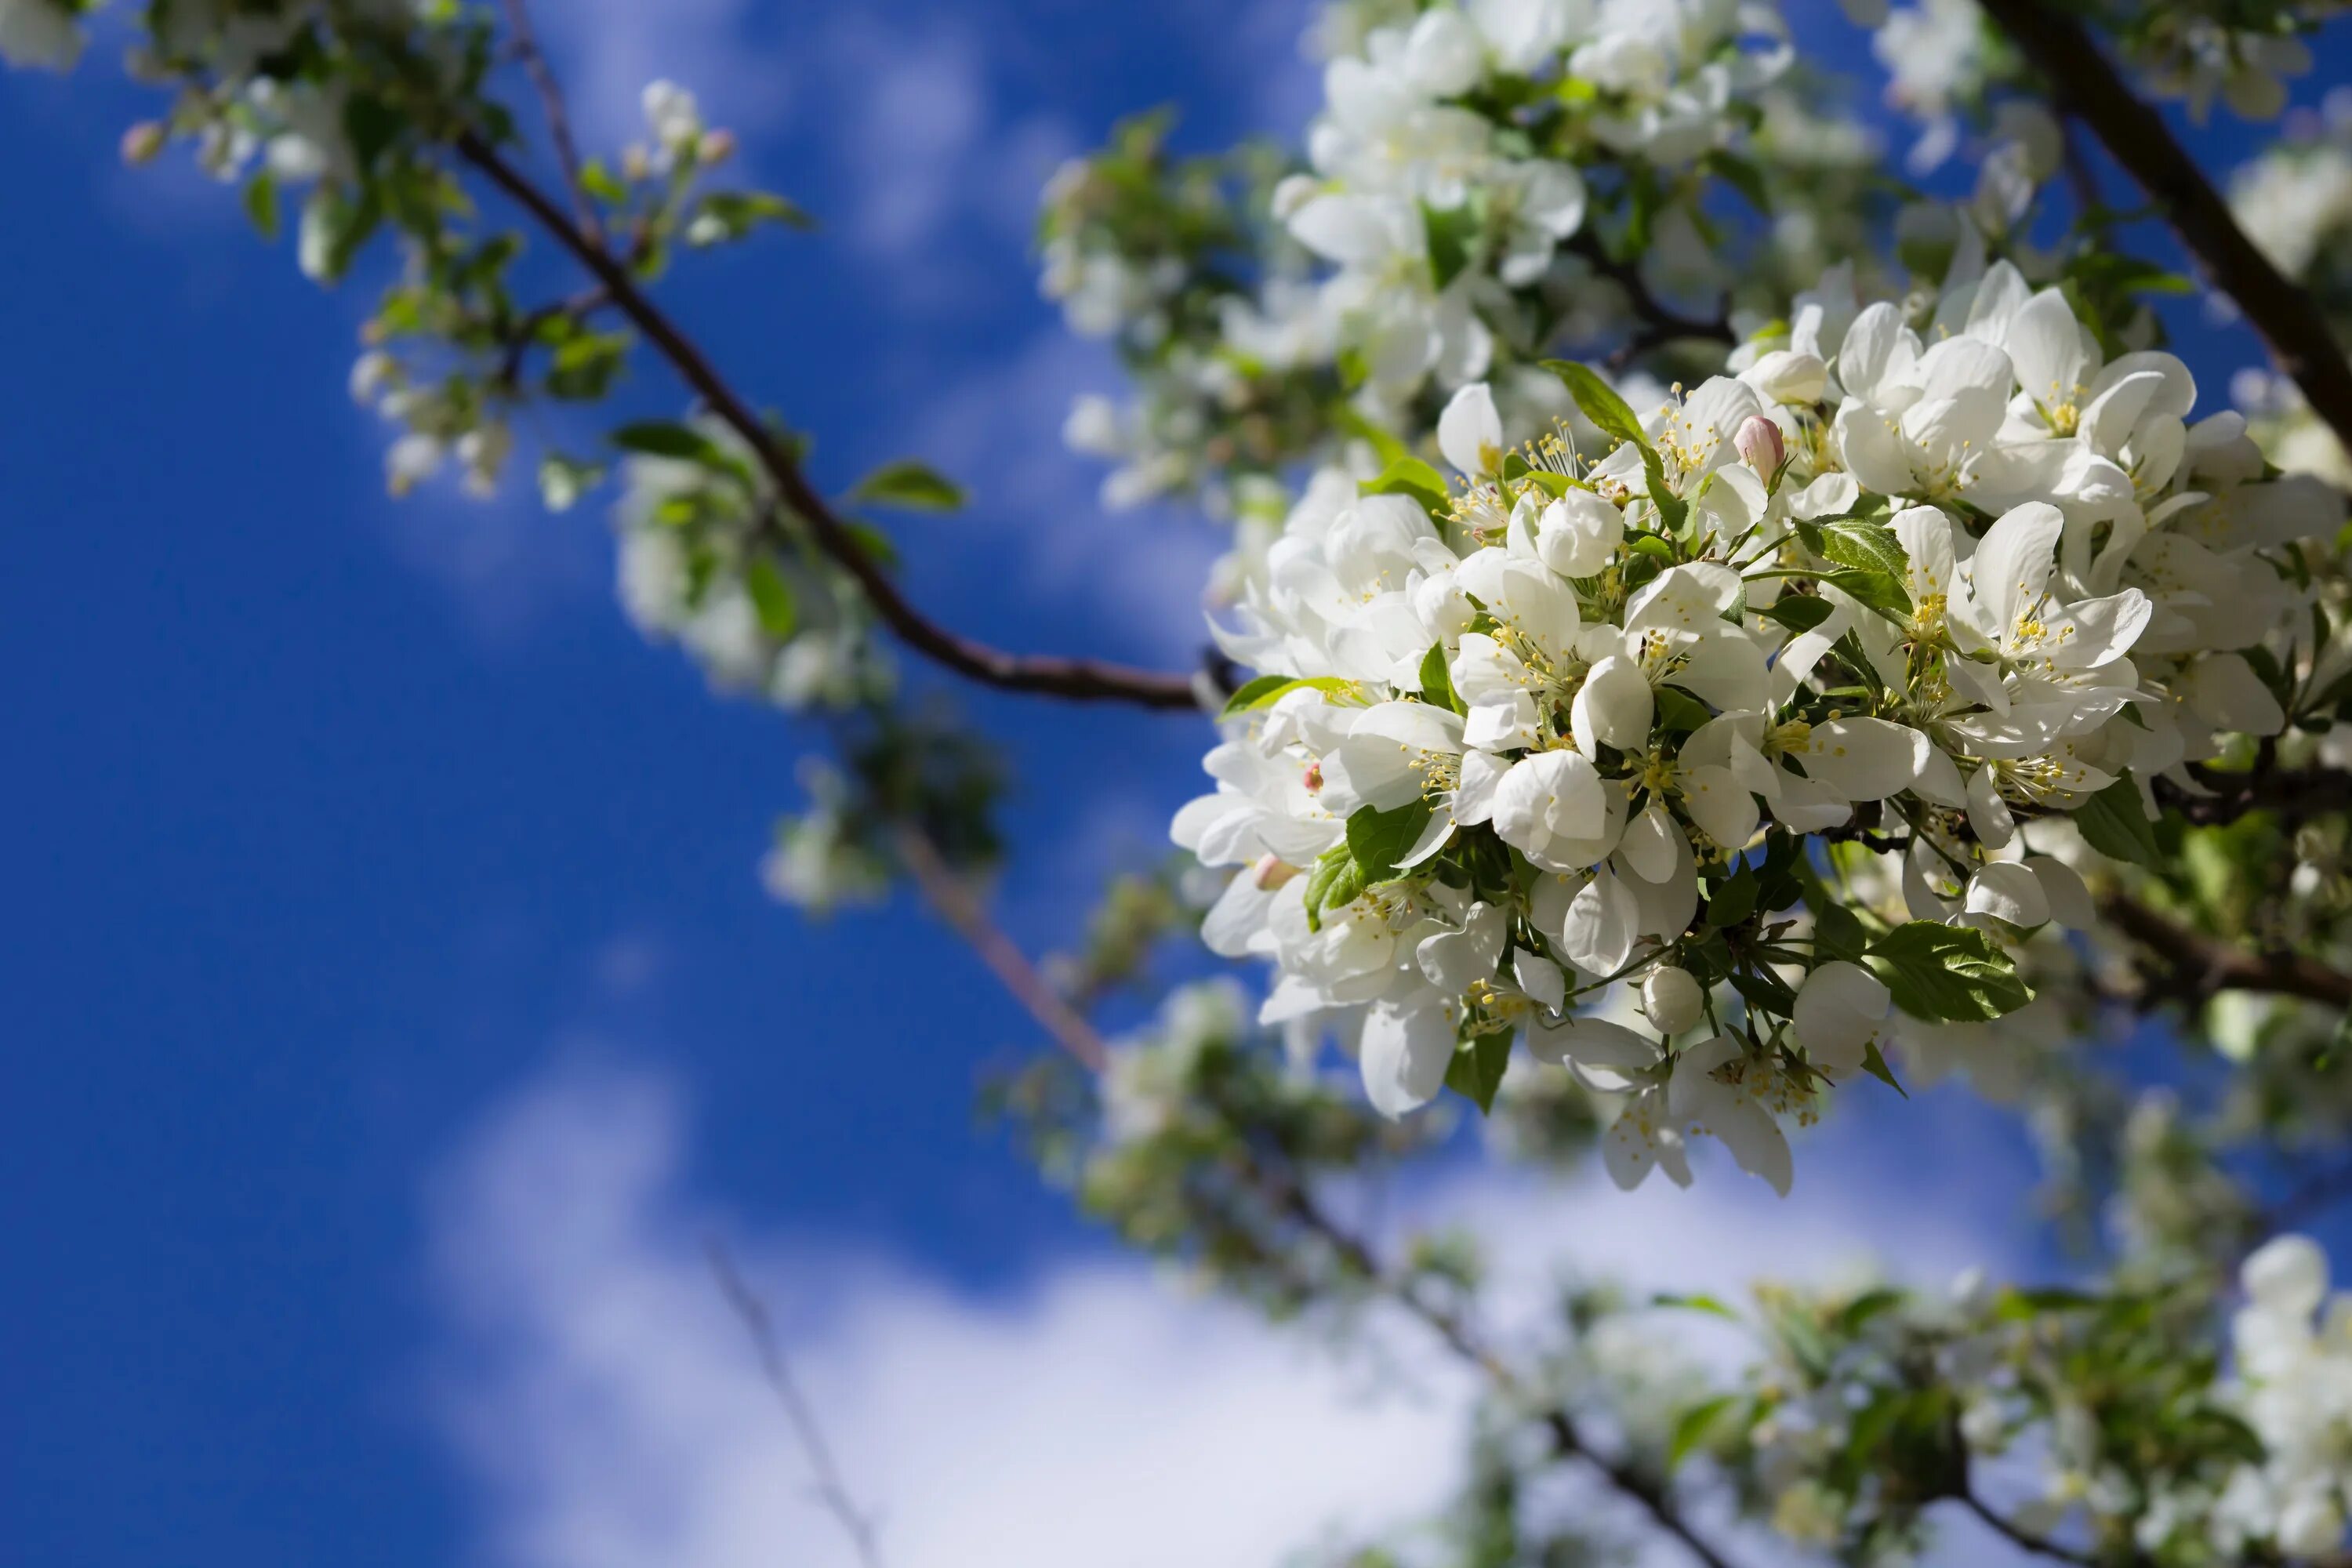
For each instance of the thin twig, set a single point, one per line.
(558, 120)
(831, 1492)
(2040, 1545)
(1075, 679)
(2295, 794)
(948, 894)
(2084, 84)
(2197, 965)
(1462, 1339)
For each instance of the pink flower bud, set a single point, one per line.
(143, 142)
(1272, 871)
(1759, 445)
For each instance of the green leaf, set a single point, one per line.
(1742, 176)
(1734, 900)
(910, 486)
(1691, 1427)
(1673, 511)
(1798, 612)
(1879, 591)
(1609, 413)
(2113, 823)
(1765, 991)
(724, 216)
(1679, 710)
(1478, 1068)
(1378, 839)
(1838, 934)
(1875, 1066)
(1859, 543)
(1263, 690)
(1451, 234)
(1437, 681)
(599, 182)
(564, 480)
(261, 204)
(663, 438)
(1948, 973)
(370, 124)
(1409, 476)
(771, 596)
(1333, 884)
(1691, 1303)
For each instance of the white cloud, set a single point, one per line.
(606, 1407)
(1141, 570)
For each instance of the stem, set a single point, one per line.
(559, 121)
(2195, 965)
(830, 1490)
(2041, 1546)
(948, 894)
(1460, 1337)
(1081, 680)
(2086, 85)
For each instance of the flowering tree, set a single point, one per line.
(1711, 628)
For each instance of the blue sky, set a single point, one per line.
(392, 997)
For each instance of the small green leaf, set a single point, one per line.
(369, 124)
(1261, 691)
(564, 480)
(1798, 612)
(1734, 900)
(663, 438)
(724, 216)
(598, 182)
(1378, 839)
(1874, 1063)
(1409, 476)
(1609, 413)
(1879, 591)
(1334, 883)
(1691, 1427)
(1860, 542)
(1742, 176)
(261, 204)
(771, 596)
(910, 486)
(1693, 1303)
(2113, 823)
(1838, 934)
(1948, 973)
(1678, 711)
(1451, 234)
(1437, 681)
(1478, 1068)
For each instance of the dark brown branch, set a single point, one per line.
(830, 1490)
(558, 120)
(2195, 965)
(2025, 1539)
(2084, 84)
(1464, 1342)
(1075, 679)
(953, 899)
(2296, 794)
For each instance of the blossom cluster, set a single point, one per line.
(1919, 571)
(2294, 1342)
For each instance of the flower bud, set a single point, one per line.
(1272, 871)
(716, 147)
(1759, 445)
(1671, 999)
(143, 142)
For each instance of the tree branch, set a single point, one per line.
(2296, 794)
(2025, 1539)
(1075, 679)
(1464, 1342)
(948, 894)
(558, 120)
(830, 1490)
(2084, 84)
(2197, 965)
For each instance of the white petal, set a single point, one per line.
(1863, 759)
(1469, 432)
(2008, 890)
(2063, 887)
(1404, 1055)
